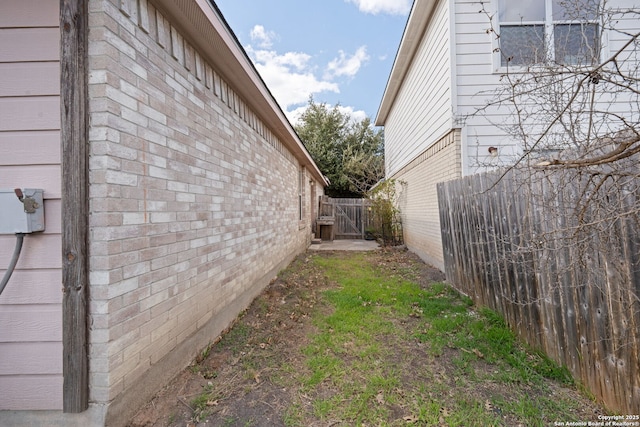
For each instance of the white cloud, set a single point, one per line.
(294, 115)
(292, 77)
(391, 7)
(290, 60)
(263, 38)
(356, 115)
(289, 77)
(347, 66)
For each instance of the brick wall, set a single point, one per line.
(418, 198)
(194, 203)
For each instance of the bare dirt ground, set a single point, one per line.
(243, 373)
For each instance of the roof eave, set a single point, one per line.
(204, 26)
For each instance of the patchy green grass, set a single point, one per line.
(370, 339)
(358, 376)
(202, 403)
(236, 338)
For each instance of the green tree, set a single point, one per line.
(348, 152)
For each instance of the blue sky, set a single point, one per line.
(338, 51)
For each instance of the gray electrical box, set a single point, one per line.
(21, 211)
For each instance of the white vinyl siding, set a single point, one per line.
(446, 92)
(477, 80)
(475, 86)
(625, 25)
(421, 113)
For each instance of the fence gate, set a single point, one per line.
(350, 216)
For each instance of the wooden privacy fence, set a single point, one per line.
(350, 217)
(558, 254)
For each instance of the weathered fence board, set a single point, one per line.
(558, 254)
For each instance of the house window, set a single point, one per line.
(528, 28)
(301, 180)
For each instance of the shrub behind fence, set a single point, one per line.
(558, 254)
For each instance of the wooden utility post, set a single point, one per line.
(74, 134)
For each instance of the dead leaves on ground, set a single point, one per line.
(475, 351)
(444, 413)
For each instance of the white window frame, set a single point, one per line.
(549, 41)
(301, 193)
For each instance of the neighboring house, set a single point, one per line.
(447, 67)
(174, 189)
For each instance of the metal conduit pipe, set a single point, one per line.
(14, 261)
